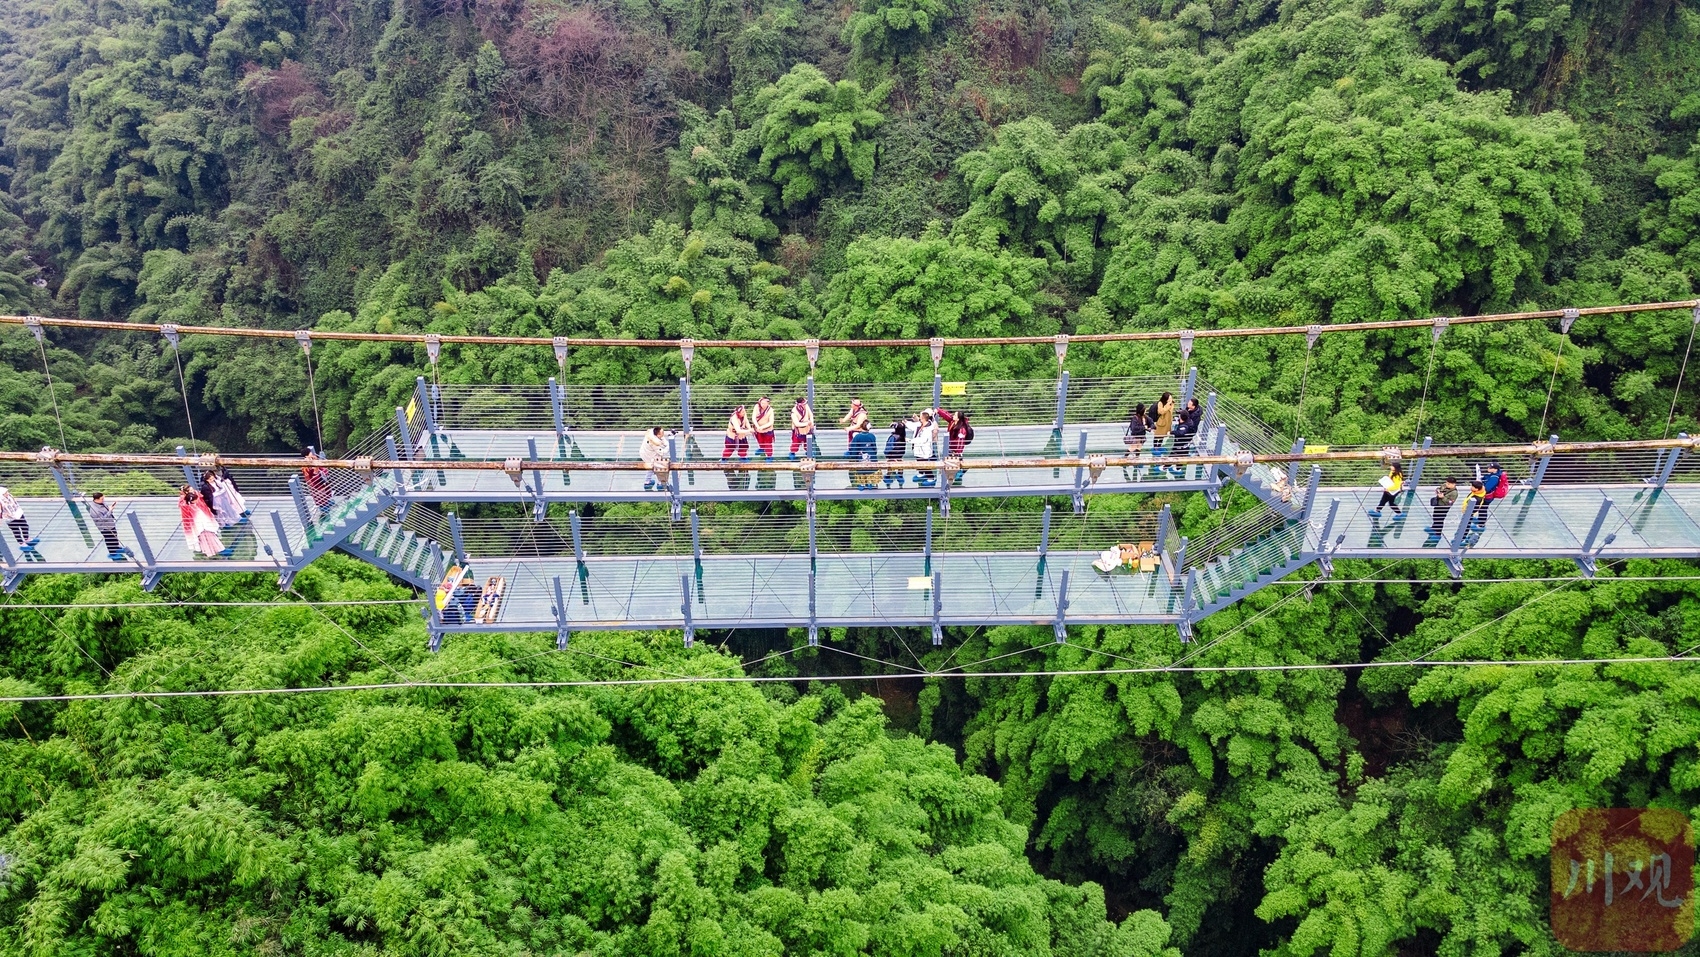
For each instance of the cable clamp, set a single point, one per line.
(936, 346)
(1242, 462)
(687, 352)
(811, 348)
(1541, 448)
(169, 331)
(1095, 465)
(1061, 345)
(1391, 456)
(807, 467)
(1567, 320)
(560, 343)
(48, 454)
(433, 347)
(363, 464)
(1186, 344)
(206, 461)
(1440, 324)
(33, 324)
(511, 466)
(305, 338)
(1313, 332)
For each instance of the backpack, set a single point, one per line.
(1500, 487)
(967, 434)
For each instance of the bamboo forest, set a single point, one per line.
(339, 334)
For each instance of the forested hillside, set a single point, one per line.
(869, 168)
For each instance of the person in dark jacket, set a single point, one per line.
(896, 446)
(1186, 430)
(1444, 498)
(107, 523)
(1137, 436)
(862, 448)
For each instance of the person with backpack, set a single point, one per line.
(896, 445)
(1137, 436)
(960, 433)
(1495, 483)
(1391, 485)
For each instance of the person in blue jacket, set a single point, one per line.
(862, 448)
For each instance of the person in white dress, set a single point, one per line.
(228, 505)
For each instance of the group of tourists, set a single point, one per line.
(1161, 430)
(932, 432)
(207, 510)
(1493, 485)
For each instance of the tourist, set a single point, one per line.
(200, 529)
(228, 505)
(738, 433)
(1138, 434)
(926, 433)
(862, 448)
(107, 523)
(896, 445)
(856, 419)
(802, 428)
(960, 433)
(1444, 496)
(764, 427)
(653, 452)
(1391, 485)
(1475, 506)
(317, 479)
(1162, 422)
(13, 512)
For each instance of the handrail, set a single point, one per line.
(516, 467)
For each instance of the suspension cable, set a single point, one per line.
(53, 393)
(1557, 361)
(1304, 380)
(1671, 416)
(312, 389)
(183, 387)
(1155, 335)
(1422, 406)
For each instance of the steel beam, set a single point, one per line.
(685, 608)
(558, 407)
(1060, 625)
(938, 609)
(685, 404)
(1417, 468)
(563, 624)
(1080, 476)
(188, 473)
(150, 565)
(578, 540)
(1062, 399)
(1045, 533)
(1540, 470)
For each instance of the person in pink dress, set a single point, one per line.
(200, 529)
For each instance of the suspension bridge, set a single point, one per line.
(664, 551)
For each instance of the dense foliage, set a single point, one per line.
(796, 168)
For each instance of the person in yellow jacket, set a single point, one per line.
(1391, 485)
(764, 427)
(802, 427)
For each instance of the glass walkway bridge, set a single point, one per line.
(675, 556)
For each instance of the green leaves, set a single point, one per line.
(814, 133)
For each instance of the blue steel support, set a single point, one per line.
(434, 626)
(395, 456)
(673, 494)
(814, 545)
(282, 536)
(578, 542)
(1417, 469)
(1045, 533)
(150, 570)
(458, 534)
(406, 435)
(696, 541)
(1454, 561)
(938, 609)
(540, 505)
(1599, 523)
(1189, 388)
(1540, 470)
(1310, 492)
(301, 509)
(938, 392)
(427, 404)
(1669, 465)
(1165, 520)
(1208, 421)
(188, 473)
(1189, 587)
(1293, 467)
(685, 405)
(927, 543)
(1180, 557)
(1080, 476)
(1060, 625)
(685, 607)
(810, 448)
(1213, 493)
(563, 625)
(558, 408)
(1324, 548)
(1586, 562)
(1062, 399)
(814, 629)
